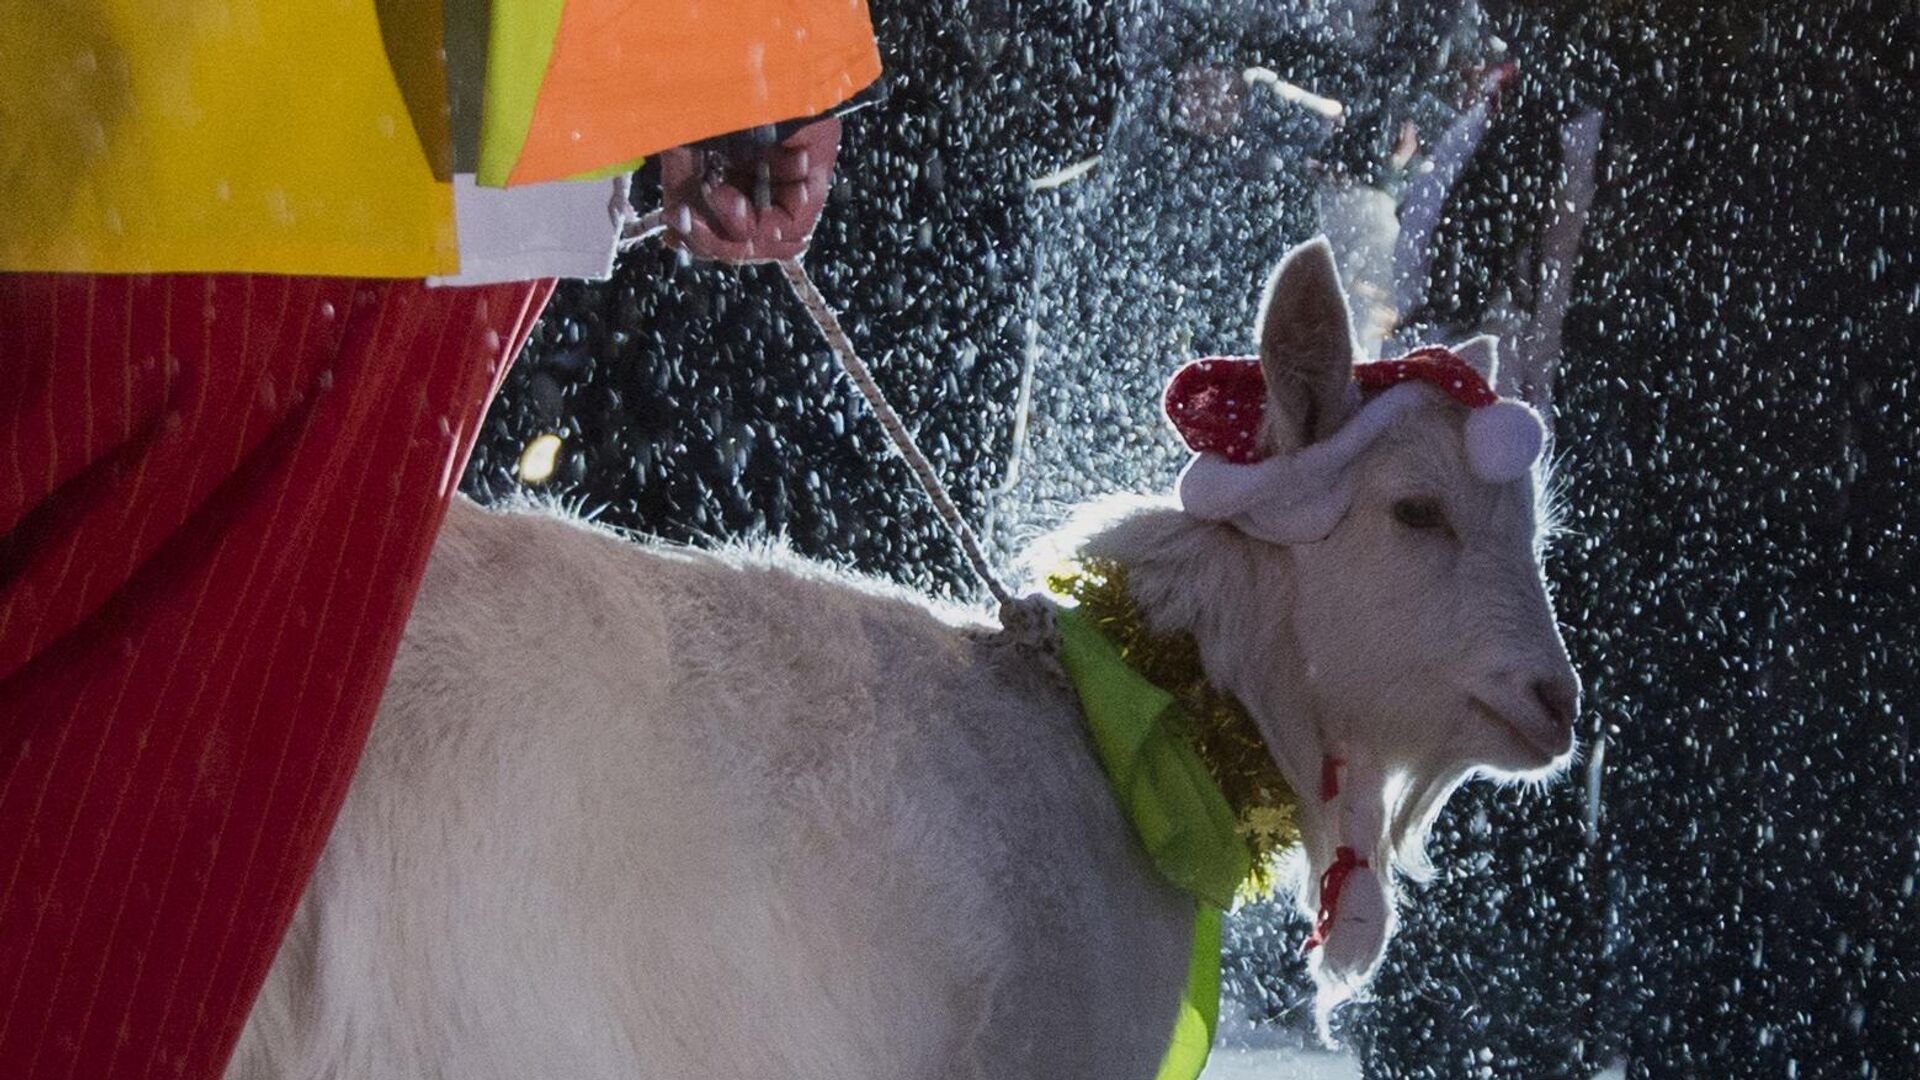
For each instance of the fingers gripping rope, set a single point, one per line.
(635, 230)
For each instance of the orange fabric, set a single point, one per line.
(629, 78)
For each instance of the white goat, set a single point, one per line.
(630, 811)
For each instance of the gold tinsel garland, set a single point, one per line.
(1217, 726)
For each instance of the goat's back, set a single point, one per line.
(632, 812)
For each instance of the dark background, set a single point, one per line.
(1737, 420)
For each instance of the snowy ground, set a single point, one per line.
(1279, 1063)
(1245, 1052)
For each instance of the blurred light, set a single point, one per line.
(1325, 107)
(1064, 176)
(536, 461)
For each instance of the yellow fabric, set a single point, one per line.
(211, 135)
(416, 49)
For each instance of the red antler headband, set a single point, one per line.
(1218, 404)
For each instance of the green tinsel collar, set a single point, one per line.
(1210, 722)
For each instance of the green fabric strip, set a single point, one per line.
(519, 44)
(1183, 821)
(1199, 1013)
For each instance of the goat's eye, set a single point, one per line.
(1420, 514)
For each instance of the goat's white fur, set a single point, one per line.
(631, 811)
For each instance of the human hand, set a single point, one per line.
(754, 205)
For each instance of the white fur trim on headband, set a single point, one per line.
(1504, 440)
(1298, 498)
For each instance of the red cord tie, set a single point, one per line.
(1330, 777)
(1345, 862)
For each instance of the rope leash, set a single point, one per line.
(903, 444)
(1027, 618)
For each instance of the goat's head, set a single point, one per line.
(1424, 621)
(1423, 641)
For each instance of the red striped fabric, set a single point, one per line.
(217, 496)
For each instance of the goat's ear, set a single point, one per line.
(1482, 354)
(1306, 350)
(1531, 371)
(1528, 375)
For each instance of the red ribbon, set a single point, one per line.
(1345, 862)
(1330, 777)
(1433, 364)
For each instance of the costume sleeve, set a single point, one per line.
(307, 137)
(583, 88)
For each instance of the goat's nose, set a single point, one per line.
(1560, 696)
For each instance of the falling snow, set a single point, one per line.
(1069, 193)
